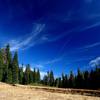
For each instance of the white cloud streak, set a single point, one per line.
(31, 40)
(90, 46)
(79, 60)
(43, 64)
(76, 29)
(51, 61)
(95, 62)
(90, 26)
(37, 66)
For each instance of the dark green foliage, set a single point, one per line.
(5, 73)
(9, 64)
(1, 65)
(31, 77)
(59, 83)
(48, 78)
(27, 74)
(65, 84)
(38, 76)
(71, 80)
(9, 76)
(8, 55)
(86, 79)
(10, 72)
(45, 80)
(51, 81)
(64, 81)
(34, 75)
(79, 79)
(15, 68)
(21, 74)
(97, 77)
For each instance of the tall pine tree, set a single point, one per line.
(51, 81)
(38, 76)
(9, 64)
(1, 65)
(27, 74)
(71, 80)
(21, 74)
(15, 68)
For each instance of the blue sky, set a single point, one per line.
(58, 35)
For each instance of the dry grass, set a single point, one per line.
(8, 92)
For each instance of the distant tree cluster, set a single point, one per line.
(11, 73)
(83, 80)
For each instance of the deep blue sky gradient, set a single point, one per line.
(58, 35)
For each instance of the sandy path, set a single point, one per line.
(8, 92)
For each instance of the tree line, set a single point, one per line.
(83, 80)
(11, 73)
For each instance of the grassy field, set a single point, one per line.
(20, 92)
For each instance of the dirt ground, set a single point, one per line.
(8, 92)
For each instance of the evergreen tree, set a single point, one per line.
(8, 55)
(21, 75)
(79, 79)
(92, 80)
(51, 81)
(11, 73)
(34, 76)
(38, 76)
(9, 76)
(71, 80)
(55, 82)
(15, 68)
(48, 78)
(86, 79)
(27, 74)
(59, 83)
(66, 81)
(63, 81)
(5, 73)
(45, 80)
(9, 64)
(31, 77)
(1, 65)
(97, 78)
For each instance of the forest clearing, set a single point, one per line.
(21, 92)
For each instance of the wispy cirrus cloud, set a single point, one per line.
(90, 46)
(95, 62)
(30, 40)
(43, 64)
(81, 59)
(37, 66)
(52, 61)
(90, 26)
(74, 30)
(85, 48)
(35, 38)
